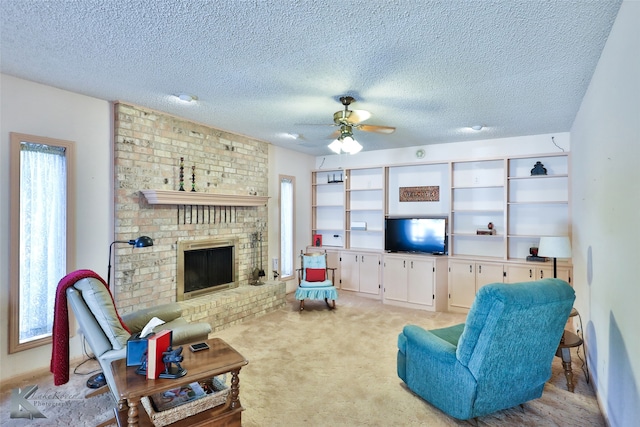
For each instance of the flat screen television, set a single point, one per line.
(425, 235)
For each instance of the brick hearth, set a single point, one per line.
(233, 306)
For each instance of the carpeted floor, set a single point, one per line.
(325, 368)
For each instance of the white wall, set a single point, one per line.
(606, 231)
(287, 162)
(40, 110)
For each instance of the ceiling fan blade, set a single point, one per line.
(358, 116)
(377, 129)
(350, 117)
(334, 135)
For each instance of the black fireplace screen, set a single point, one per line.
(208, 268)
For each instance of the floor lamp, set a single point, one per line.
(555, 247)
(98, 380)
(140, 242)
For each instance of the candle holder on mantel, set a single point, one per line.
(181, 174)
(193, 178)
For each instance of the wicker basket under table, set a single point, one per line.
(211, 400)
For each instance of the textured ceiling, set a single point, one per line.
(275, 67)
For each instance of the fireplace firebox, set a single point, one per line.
(205, 266)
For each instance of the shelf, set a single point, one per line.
(363, 189)
(327, 183)
(478, 211)
(483, 236)
(474, 187)
(539, 176)
(541, 202)
(169, 197)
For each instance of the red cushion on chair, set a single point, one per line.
(315, 274)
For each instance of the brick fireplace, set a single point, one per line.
(148, 147)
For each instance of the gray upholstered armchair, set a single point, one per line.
(100, 324)
(500, 358)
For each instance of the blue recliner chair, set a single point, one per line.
(500, 358)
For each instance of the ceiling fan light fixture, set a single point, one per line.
(336, 146)
(350, 145)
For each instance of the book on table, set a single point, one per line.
(158, 344)
(177, 396)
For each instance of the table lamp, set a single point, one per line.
(555, 247)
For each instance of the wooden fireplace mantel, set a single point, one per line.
(170, 197)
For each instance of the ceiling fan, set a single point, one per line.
(354, 119)
(349, 120)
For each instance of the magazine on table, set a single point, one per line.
(177, 396)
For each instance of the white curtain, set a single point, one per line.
(286, 227)
(43, 185)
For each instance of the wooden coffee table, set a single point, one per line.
(203, 365)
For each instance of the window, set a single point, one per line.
(287, 189)
(41, 235)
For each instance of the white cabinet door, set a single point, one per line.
(520, 273)
(488, 273)
(369, 265)
(395, 279)
(420, 281)
(349, 271)
(462, 285)
(360, 272)
(467, 277)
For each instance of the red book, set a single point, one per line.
(158, 344)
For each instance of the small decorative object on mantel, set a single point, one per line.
(429, 193)
(490, 231)
(533, 251)
(193, 178)
(538, 169)
(333, 179)
(181, 174)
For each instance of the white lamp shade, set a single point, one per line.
(336, 146)
(555, 247)
(350, 145)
